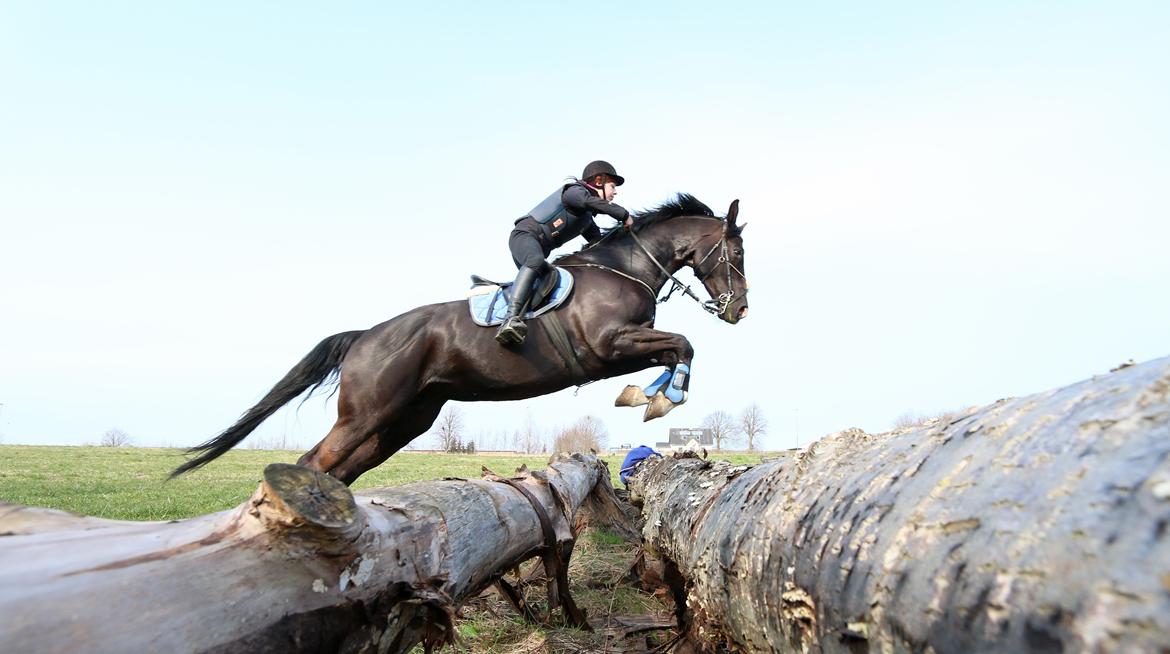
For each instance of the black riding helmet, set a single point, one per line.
(602, 168)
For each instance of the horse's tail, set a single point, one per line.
(314, 370)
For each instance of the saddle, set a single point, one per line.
(488, 300)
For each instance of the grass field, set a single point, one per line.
(131, 484)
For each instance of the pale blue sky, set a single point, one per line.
(948, 203)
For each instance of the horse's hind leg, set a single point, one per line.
(364, 409)
(416, 419)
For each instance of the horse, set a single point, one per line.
(396, 376)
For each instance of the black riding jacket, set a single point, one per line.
(579, 206)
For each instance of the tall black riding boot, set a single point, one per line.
(513, 331)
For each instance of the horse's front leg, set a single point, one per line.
(650, 346)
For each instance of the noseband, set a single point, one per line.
(720, 304)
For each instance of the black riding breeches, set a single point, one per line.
(527, 250)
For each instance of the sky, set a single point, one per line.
(947, 203)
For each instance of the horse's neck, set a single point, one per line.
(627, 257)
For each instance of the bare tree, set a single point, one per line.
(722, 426)
(115, 438)
(528, 438)
(449, 429)
(752, 424)
(913, 419)
(274, 442)
(586, 434)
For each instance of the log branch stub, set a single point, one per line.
(297, 496)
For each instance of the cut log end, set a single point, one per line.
(310, 497)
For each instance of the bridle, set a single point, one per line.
(719, 304)
(715, 306)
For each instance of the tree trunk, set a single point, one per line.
(1033, 524)
(302, 566)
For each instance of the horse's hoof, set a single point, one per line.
(658, 407)
(631, 396)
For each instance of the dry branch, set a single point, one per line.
(1033, 524)
(302, 566)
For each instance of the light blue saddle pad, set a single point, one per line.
(488, 309)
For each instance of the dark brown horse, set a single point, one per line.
(396, 376)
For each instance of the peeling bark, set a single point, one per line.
(1032, 524)
(302, 566)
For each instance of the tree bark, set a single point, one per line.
(1032, 524)
(302, 566)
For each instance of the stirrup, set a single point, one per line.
(512, 332)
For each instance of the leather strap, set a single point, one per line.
(560, 342)
(555, 561)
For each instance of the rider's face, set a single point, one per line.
(605, 186)
(609, 191)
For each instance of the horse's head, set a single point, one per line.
(718, 263)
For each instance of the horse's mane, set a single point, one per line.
(683, 204)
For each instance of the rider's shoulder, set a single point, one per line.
(576, 190)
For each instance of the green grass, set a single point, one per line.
(130, 483)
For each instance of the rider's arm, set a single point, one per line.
(591, 232)
(577, 199)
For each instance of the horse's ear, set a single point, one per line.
(732, 213)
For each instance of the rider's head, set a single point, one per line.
(602, 176)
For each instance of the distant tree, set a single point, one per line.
(753, 424)
(274, 442)
(914, 419)
(115, 438)
(723, 428)
(528, 438)
(586, 434)
(449, 430)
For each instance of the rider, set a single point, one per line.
(565, 214)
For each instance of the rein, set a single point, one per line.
(612, 270)
(676, 285)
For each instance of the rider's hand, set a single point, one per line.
(629, 223)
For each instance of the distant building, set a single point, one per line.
(681, 436)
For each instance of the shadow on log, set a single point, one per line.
(1034, 524)
(304, 565)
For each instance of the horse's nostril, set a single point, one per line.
(742, 313)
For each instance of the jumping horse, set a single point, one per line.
(396, 376)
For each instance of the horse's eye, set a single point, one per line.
(739, 253)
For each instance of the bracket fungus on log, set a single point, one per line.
(1039, 523)
(304, 565)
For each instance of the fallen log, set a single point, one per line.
(1032, 524)
(304, 565)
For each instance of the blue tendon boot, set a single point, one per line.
(635, 396)
(657, 384)
(671, 394)
(681, 381)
